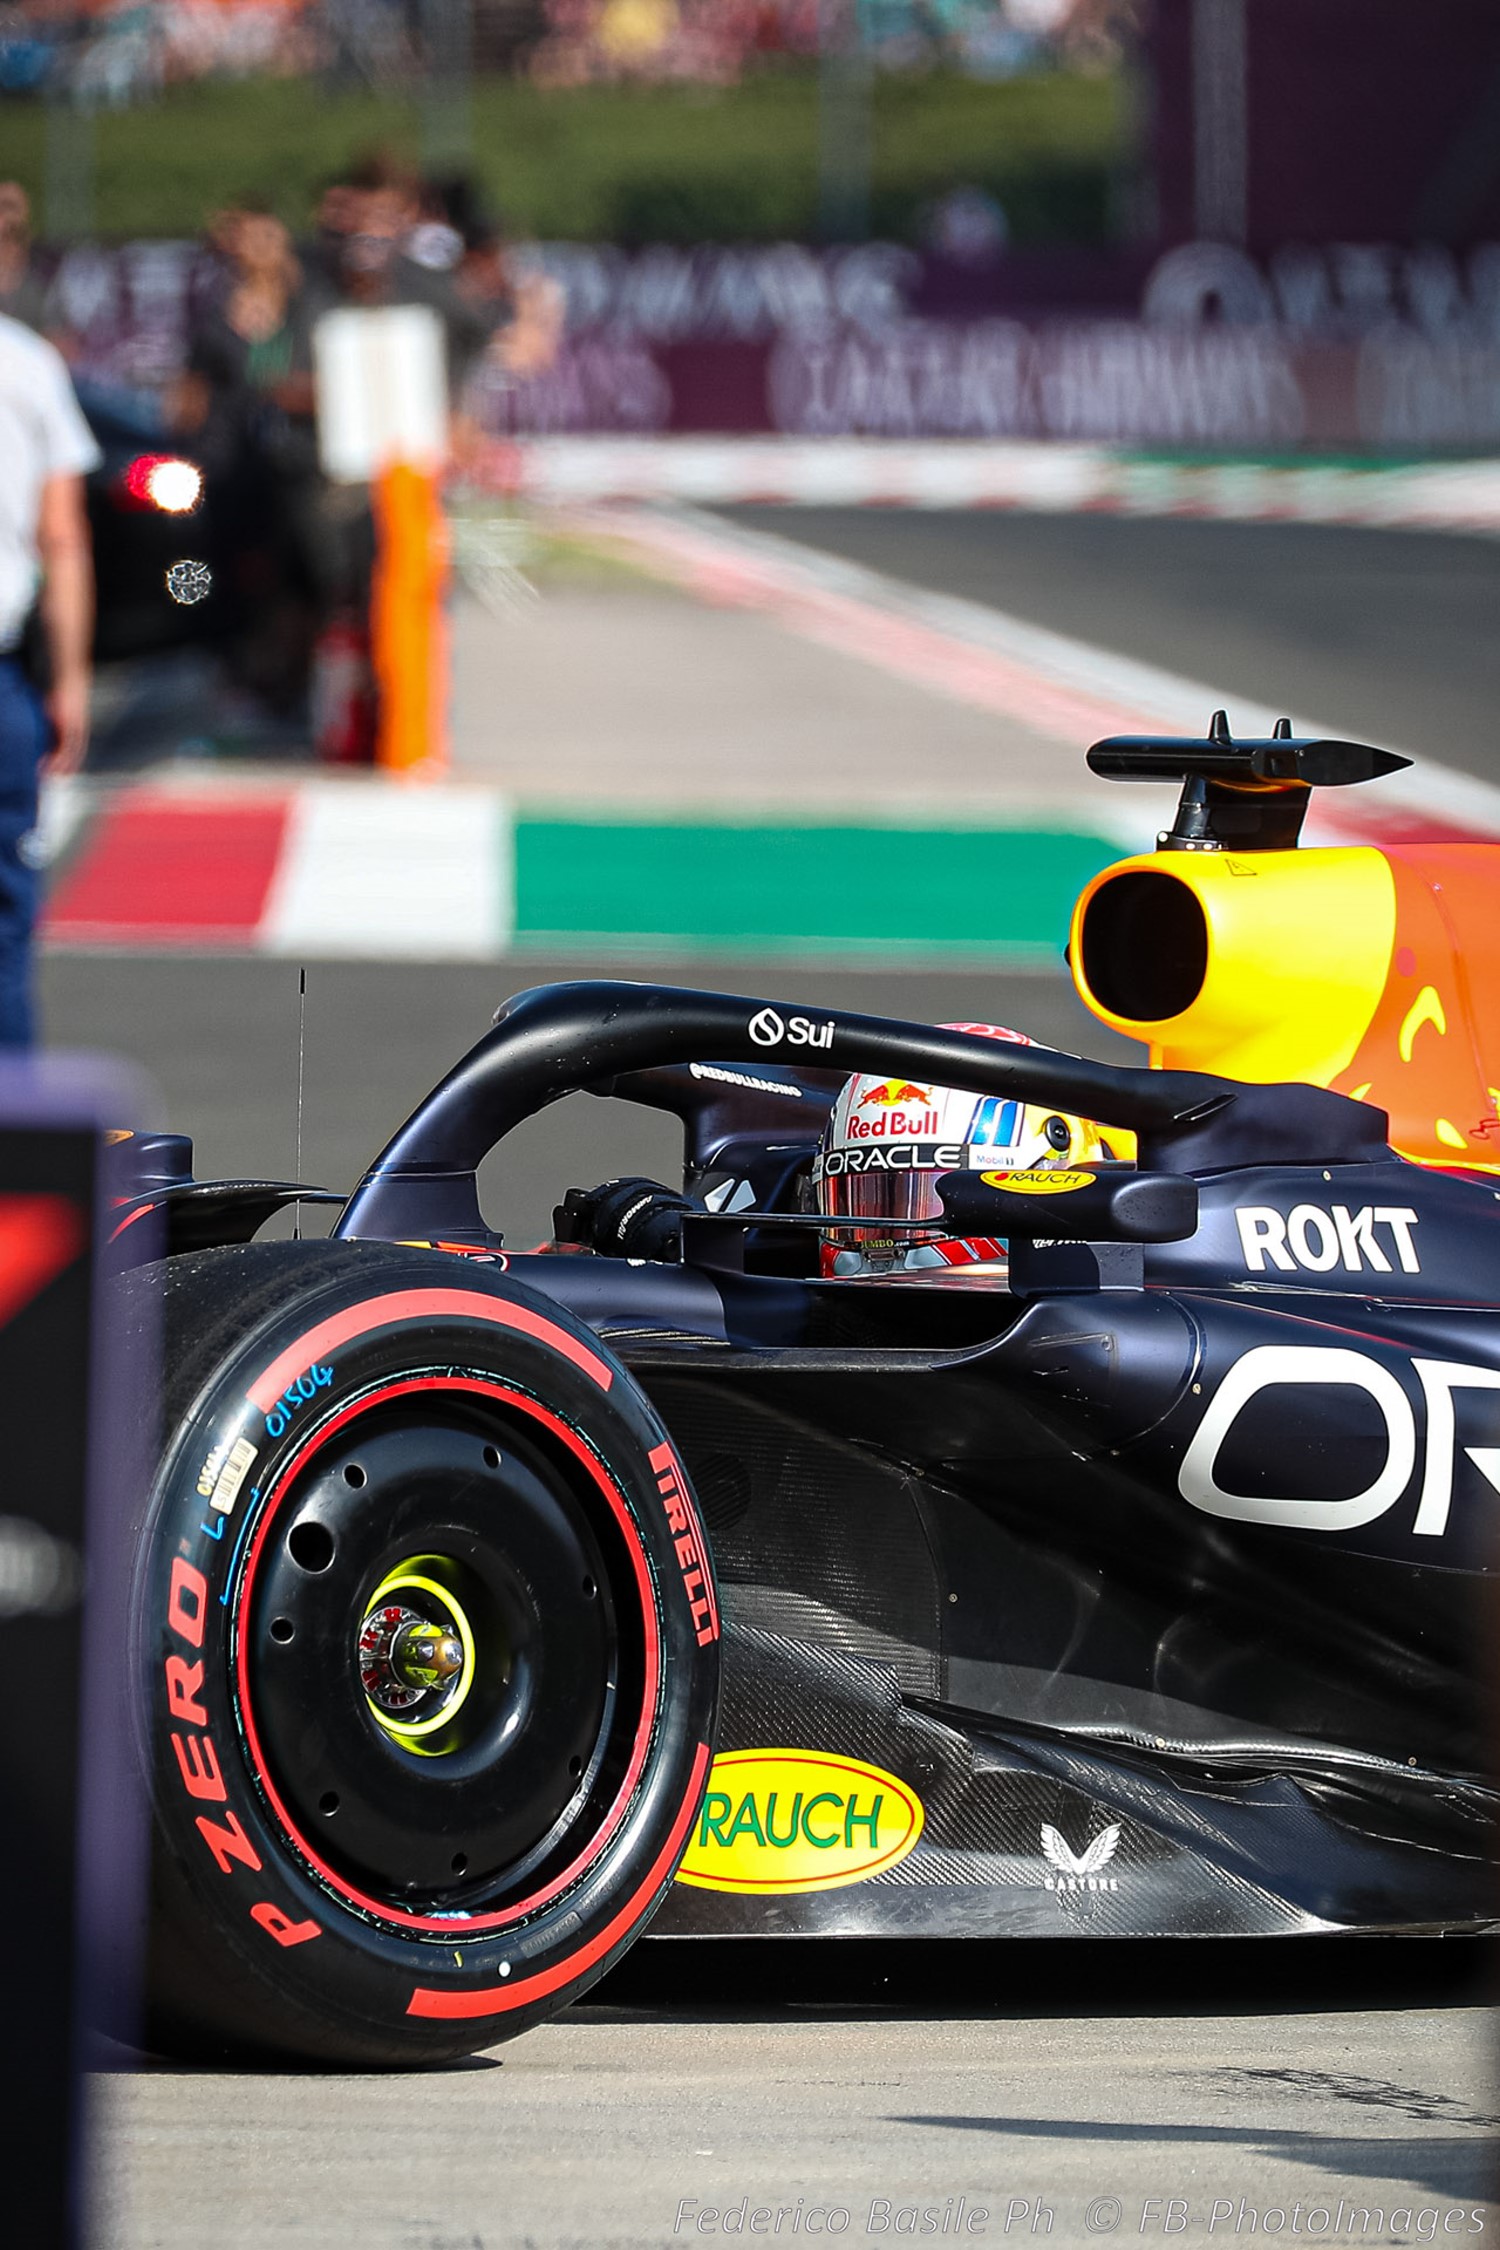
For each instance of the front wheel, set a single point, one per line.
(428, 1647)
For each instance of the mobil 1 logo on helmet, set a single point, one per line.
(1280, 1419)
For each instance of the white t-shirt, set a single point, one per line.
(42, 434)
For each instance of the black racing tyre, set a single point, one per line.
(426, 1653)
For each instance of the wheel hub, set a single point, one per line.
(415, 1667)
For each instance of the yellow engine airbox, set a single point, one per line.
(1375, 972)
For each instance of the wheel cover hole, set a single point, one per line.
(310, 1545)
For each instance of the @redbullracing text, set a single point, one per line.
(990, 2216)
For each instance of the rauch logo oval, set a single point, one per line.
(798, 1820)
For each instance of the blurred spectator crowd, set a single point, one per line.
(235, 390)
(116, 52)
(126, 51)
(715, 40)
(140, 320)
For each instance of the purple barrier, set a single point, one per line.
(1114, 382)
(1353, 345)
(75, 1402)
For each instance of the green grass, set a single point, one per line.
(966, 890)
(662, 163)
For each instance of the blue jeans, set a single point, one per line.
(23, 740)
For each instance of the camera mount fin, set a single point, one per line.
(1249, 795)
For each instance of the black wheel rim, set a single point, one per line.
(442, 1789)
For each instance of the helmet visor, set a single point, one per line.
(877, 1196)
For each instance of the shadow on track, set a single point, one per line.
(713, 1979)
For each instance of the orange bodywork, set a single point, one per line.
(1375, 972)
(1430, 1054)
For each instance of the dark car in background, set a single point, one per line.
(204, 628)
(152, 520)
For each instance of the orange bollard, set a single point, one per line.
(408, 622)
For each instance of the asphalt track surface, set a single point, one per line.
(1205, 2093)
(1390, 636)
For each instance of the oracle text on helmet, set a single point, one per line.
(907, 1156)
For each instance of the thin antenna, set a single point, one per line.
(301, 1054)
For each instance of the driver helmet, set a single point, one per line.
(889, 1141)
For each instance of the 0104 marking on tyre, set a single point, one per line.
(299, 1392)
(419, 1304)
(383, 1910)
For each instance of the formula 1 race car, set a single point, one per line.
(1121, 1580)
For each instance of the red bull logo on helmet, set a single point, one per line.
(901, 1108)
(890, 1091)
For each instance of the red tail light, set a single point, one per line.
(164, 481)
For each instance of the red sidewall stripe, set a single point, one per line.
(497, 1999)
(447, 1925)
(420, 1304)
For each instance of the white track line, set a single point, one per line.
(1045, 475)
(1069, 689)
(373, 869)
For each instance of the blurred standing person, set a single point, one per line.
(249, 382)
(375, 271)
(517, 314)
(321, 252)
(528, 342)
(45, 560)
(22, 295)
(519, 309)
(256, 337)
(376, 266)
(247, 398)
